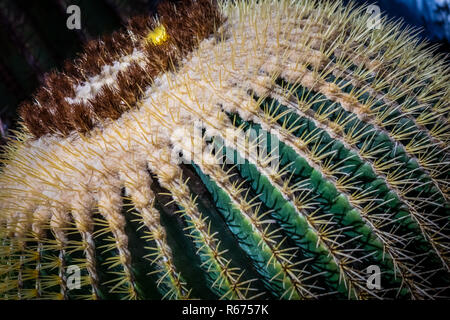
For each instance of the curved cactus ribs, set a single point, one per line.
(269, 149)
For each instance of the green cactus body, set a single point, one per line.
(278, 150)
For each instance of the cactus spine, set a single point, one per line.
(276, 150)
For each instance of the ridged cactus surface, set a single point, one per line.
(247, 149)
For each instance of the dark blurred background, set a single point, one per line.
(432, 15)
(34, 38)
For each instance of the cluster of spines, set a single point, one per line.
(257, 236)
(365, 145)
(35, 263)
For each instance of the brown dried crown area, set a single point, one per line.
(186, 24)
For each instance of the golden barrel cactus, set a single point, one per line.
(236, 150)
